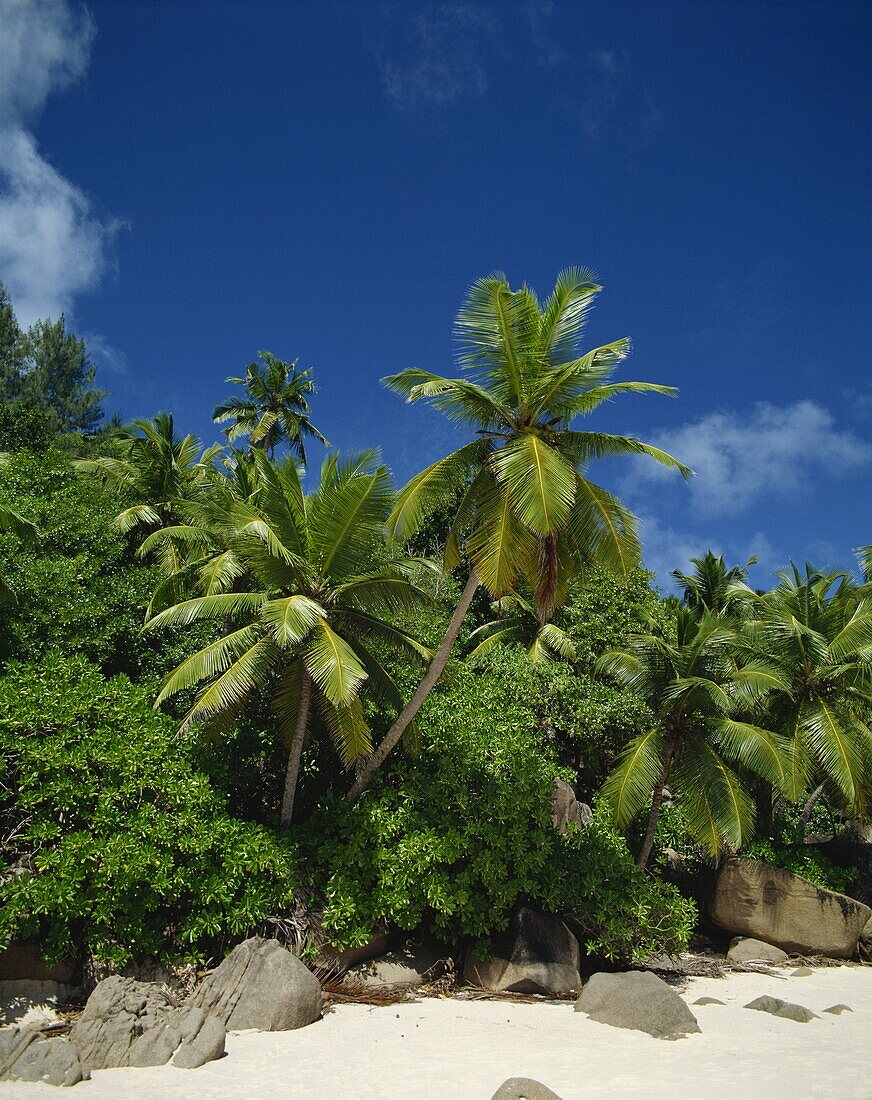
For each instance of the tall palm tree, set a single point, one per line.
(320, 590)
(153, 470)
(26, 532)
(711, 586)
(694, 686)
(525, 505)
(275, 408)
(816, 628)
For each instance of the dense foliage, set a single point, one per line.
(456, 837)
(296, 618)
(112, 840)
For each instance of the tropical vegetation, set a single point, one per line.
(237, 694)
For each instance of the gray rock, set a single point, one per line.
(407, 968)
(190, 1033)
(865, 944)
(566, 810)
(837, 1010)
(638, 1000)
(776, 1007)
(743, 949)
(13, 1042)
(341, 961)
(52, 1061)
(260, 985)
(708, 1001)
(671, 964)
(523, 1088)
(537, 954)
(773, 905)
(802, 972)
(118, 1012)
(205, 1045)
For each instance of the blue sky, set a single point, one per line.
(192, 182)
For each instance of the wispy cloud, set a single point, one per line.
(741, 459)
(445, 53)
(53, 243)
(613, 103)
(665, 549)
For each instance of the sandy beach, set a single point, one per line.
(433, 1048)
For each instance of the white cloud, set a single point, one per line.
(740, 460)
(665, 549)
(53, 244)
(446, 55)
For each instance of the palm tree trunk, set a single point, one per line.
(808, 808)
(428, 682)
(656, 802)
(296, 748)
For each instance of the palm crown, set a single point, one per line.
(276, 407)
(152, 468)
(319, 588)
(695, 688)
(522, 482)
(711, 586)
(817, 629)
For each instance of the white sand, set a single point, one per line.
(462, 1050)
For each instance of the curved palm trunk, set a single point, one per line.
(428, 682)
(296, 749)
(656, 802)
(808, 809)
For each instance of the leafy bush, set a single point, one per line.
(80, 591)
(455, 837)
(112, 840)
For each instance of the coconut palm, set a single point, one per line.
(816, 628)
(26, 532)
(524, 504)
(518, 623)
(320, 588)
(275, 408)
(153, 471)
(711, 586)
(695, 688)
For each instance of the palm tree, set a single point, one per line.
(153, 470)
(525, 507)
(320, 588)
(275, 409)
(694, 686)
(816, 628)
(26, 532)
(519, 623)
(711, 586)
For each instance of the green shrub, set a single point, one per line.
(456, 836)
(114, 841)
(81, 590)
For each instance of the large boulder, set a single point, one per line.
(744, 949)
(340, 961)
(566, 810)
(260, 985)
(866, 942)
(406, 968)
(26, 1056)
(778, 907)
(191, 1034)
(637, 1000)
(537, 954)
(524, 1088)
(118, 1012)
